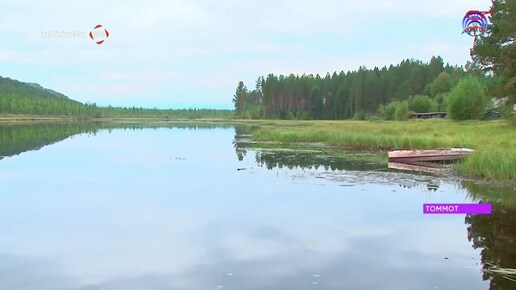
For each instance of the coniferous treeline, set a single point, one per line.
(31, 99)
(345, 95)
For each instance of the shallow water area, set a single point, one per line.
(185, 206)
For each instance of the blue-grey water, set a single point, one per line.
(175, 208)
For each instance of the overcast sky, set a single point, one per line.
(192, 53)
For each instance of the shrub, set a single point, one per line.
(402, 111)
(358, 116)
(422, 104)
(441, 84)
(467, 100)
(441, 101)
(387, 112)
(255, 112)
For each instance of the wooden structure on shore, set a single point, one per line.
(433, 115)
(413, 156)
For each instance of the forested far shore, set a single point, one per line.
(411, 85)
(20, 98)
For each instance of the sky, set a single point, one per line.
(193, 53)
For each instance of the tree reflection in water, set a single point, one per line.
(495, 234)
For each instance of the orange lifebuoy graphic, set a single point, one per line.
(99, 34)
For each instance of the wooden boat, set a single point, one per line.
(411, 156)
(425, 167)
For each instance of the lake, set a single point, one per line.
(184, 206)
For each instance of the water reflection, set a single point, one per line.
(322, 162)
(163, 206)
(495, 234)
(311, 160)
(19, 138)
(241, 140)
(303, 158)
(23, 273)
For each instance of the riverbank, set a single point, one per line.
(29, 118)
(494, 142)
(36, 118)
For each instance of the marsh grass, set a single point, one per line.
(494, 141)
(503, 196)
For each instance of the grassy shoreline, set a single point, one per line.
(494, 141)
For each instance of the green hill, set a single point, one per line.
(21, 98)
(52, 92)
(32, 99)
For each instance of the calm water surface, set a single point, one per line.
(196, 207)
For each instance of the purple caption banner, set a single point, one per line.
(457, 208)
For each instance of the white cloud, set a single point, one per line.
(208, 45)
(140, 75)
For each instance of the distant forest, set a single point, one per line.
(355, 94)
(388, 93)
(31, 99)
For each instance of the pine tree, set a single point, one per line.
(496, 51)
